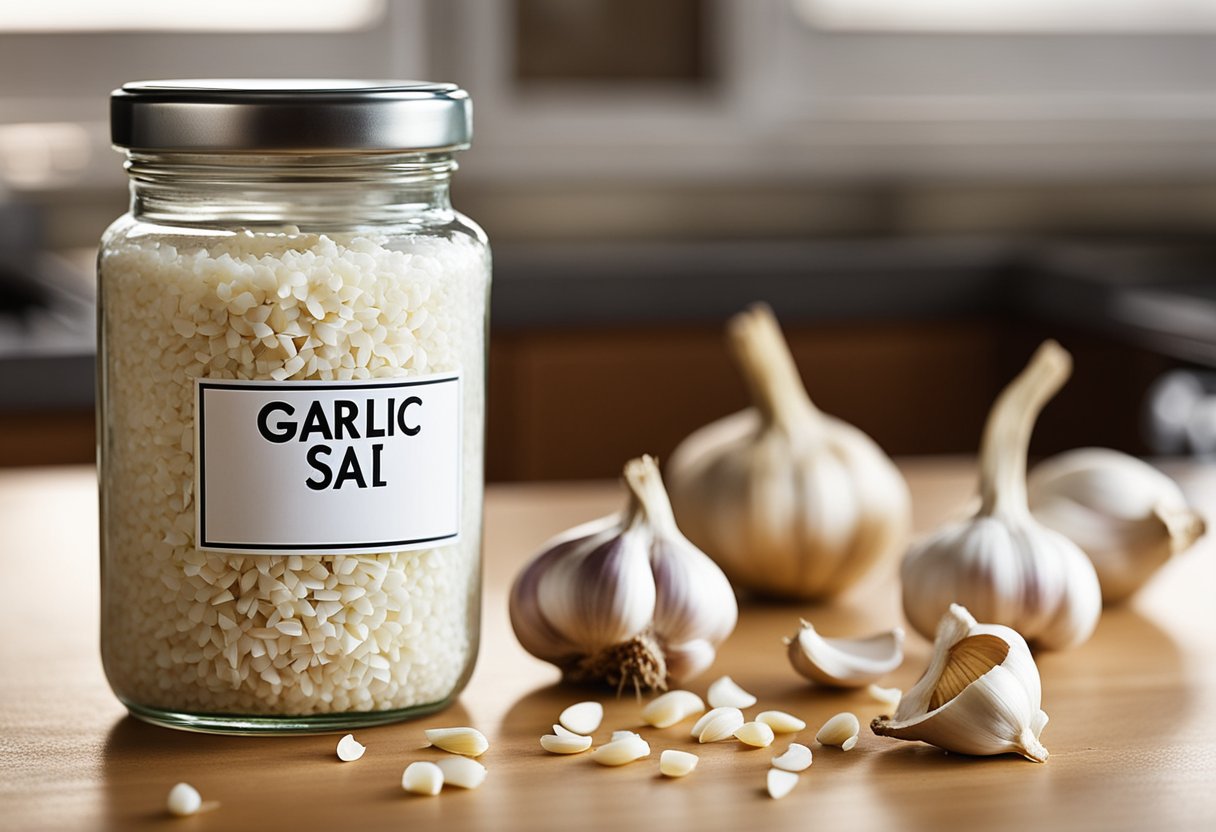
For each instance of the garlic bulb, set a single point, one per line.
(845, 662)
(789, 501)
(626, 599)
(1001, 564)
(1125, 514)
(980, 694)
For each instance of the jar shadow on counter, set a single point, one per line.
(255, 777)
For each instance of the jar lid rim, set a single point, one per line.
(290, 115)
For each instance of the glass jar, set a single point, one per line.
(291, 406)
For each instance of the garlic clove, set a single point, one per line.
(1002, 564)
(462, 772)
(621, 751)
(673, 763)
(672, 707)
(582, 717)
(625, 600)
(565, 743)
(980, 694)
(755, 734)
(422, 777)
(1128, 517)
(621, 735)
(780, 783)
(350, 749)
(789, 501)
(795, 758)
(562, 731)
(845, 662)
(887, 696)
(704, 719)
(726, 693)
(722, 726)
(840, 730)
(467, 741)
(781, 722)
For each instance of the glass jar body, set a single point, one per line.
(308, 274)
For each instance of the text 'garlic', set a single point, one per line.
(1127, 516)
(789, 501)
(1002, 564)
(845, 662)
(980, 694)
(626, 599)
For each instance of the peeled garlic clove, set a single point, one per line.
(350, 749)
(839, 731)
(705, 718)
(621, 751)
(565, 743)
(980, 694)
(625, 600)
(184, 800)
(845, 662)
(795, 758)
(755, 734)
(722, 726)
(673, 763)
(1123, 513)
(781, 722)
(561, 731)
(582, 717)
(462, 772)
(672, 707)
(725, 693)
(422, 778)
(467, 741)
(1002, 564)
(780, 783)
(620, 735)
(789, 501)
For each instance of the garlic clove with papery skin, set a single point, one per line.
(980, 695)
(1127, 516)
(788, 500)
(1002, 564)
(625, 600)
(845, 662)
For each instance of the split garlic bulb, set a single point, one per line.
(980, 694)
(1125, 514)
(1002, 564)
(626, 599)
(789, 501)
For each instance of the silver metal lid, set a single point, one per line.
(275, 115)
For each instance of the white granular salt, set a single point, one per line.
(186, 630)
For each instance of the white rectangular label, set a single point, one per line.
(315, 467)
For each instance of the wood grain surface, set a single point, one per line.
(1132, 737)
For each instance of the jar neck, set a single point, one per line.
(326, 191)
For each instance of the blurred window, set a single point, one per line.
(1009, 15)
(210, 16)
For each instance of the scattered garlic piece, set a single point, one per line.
(755, 734)
(562, 731)
(350, 749)
(722, 726)
(1127, 516)
(621, 751)
(781, 722)
(625, 600)
(887, 696)
(672, 707)
(795, 758)
(980, 694)
(583, 717)
(621, 735)
(673, 763)
(184, 800)
(467, 741)
(422, 778)
(845, 662)
(839, 730)
(726, 693)
(1002, 563)
(565, 743)
(699, 725)
(781, 783)
(462, 772)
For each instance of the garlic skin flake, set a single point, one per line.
(845, 662)
(625, 600)
(790, 502)
(1002, 564)
(1127, 516)
(980, 695)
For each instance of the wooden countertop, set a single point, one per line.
(1132, 738)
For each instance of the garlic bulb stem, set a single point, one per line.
(648, 501)
(769, 370)
(1007, 432)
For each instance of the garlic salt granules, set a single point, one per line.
(188, 631)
